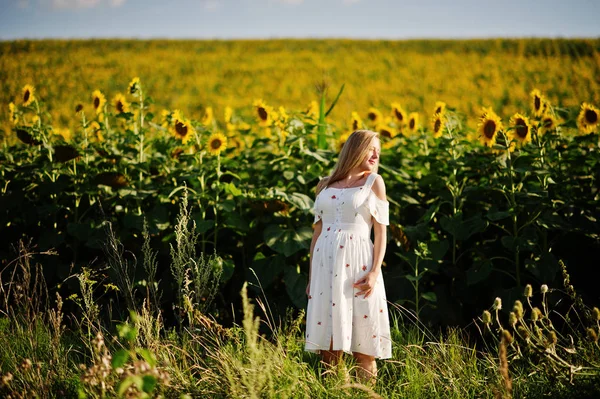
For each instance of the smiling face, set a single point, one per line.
(372, 159)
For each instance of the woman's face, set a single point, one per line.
(372, 159)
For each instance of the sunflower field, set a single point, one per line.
(490, 154)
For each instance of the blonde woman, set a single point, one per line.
(347, 309)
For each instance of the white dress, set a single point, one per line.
(342, 255)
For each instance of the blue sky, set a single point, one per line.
(369, 19)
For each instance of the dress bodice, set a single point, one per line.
(354, 205)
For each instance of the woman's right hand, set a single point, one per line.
(308, 289)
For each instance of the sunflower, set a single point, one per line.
(356, 122)
(437, 124)
(208, 118)
(12, 114)
(264, 113)
(28, 95)
(548, 123)
(233, 141)
(440, 108)
(313, 110)
(98, 101)
(588, 118)
(165, 118)
(94, 127)
(488, 127)
(283, 118)
(342, 140)
(65, 133)
(217, 143)
(413, 121)
(386, 132)
(182, 128)
(538, 103)
(399, 114)
(227, 114)
(521, 128)
(134, 85)
(374, 116)
(120, 103)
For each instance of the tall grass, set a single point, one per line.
(44, 356)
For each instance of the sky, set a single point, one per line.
(249, 19)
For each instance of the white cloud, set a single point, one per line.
(211, 4)
(72, 4)
(23, 4)
(291, 2)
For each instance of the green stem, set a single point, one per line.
(514, 208)
(417, 288)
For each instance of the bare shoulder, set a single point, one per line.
(322, 184)
(379, 187)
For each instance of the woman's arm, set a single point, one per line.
(316, 233)
(367, 283)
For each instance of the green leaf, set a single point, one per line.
(149, 382)
(232, 189)
(287, 241)
(462, 229)
(128, 382)
(228, 269)
(438, 249)
(266, 269)
(412, 277)
(295, 285)
(235, 221)
(430, 296)
(336, 100)
(160, 217)
(302, 201)
(288, 175)
(497, 215)
(202, 226)
(227, 205)
(479, 272)
(133, 221)
(147, 355)
(120, 357)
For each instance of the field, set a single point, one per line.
(146, 184)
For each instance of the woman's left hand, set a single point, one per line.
(366, 284)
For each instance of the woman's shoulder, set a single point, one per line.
(378, 186)
(322, 184)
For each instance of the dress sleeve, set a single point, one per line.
(380, 209)
(318, 212)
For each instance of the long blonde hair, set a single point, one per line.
(354, 152)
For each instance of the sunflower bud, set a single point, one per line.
(518, 309)
(134, 85)
(544, 288)
(596, 314)
(498, 304)
(528, 291)
(78, 108)
(591, 333)
(486, 317)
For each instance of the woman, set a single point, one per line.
(347, 309)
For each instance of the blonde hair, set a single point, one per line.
(354, 152)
